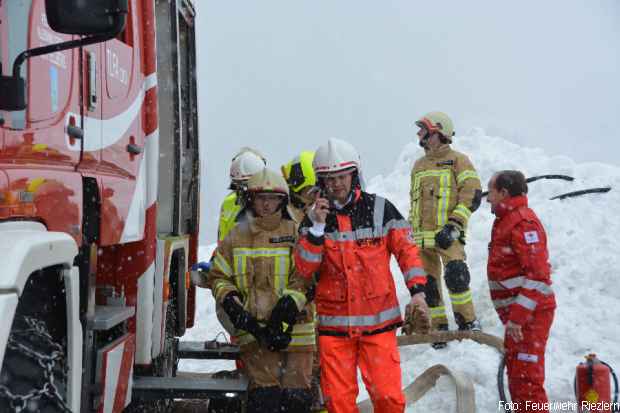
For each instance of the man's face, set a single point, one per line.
(433, 140)
(495, 197)
(338, 185)
(266, 204)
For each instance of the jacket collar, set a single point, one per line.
(270, 223)
(510, 204)
(439, 152)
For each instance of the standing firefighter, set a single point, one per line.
(520, 282)
(244, 164)
(301, 180)
(445, 191)
(253, 279)
(348, 238)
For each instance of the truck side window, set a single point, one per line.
(17, 16)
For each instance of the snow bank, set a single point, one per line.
(583, 253)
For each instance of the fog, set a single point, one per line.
(283, 76)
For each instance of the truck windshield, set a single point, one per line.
(15, 40)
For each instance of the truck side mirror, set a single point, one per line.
(86, 17)
(12, 93)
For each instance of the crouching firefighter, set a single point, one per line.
(445, 191)
(253, 279)
(348, 237)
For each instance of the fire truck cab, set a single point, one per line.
(99, 201)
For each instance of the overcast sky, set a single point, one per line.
(283, 76)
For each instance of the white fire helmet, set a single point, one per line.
(245, 164)
(336, 155)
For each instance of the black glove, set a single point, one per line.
(446, 236)
(285, 311)
(240, 318)
(275, 338)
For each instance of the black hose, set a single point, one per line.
(582, 192)
(615, 407)
(536, 178)
(500, 384)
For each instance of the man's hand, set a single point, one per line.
(514, 331)
(417, 319)
(446, 236)
(319, 210)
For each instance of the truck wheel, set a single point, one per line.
(34, 374)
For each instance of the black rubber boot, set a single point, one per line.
(440, 344)
(296, 400)
(265, 400)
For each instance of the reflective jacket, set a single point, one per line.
(445, 188)
(355, 293)
(256, 260)
(228, 215)
(518, 267)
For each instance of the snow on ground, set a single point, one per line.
(583, 254)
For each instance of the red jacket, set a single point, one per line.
(518, 268)
(355, 292)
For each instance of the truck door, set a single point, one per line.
(122, 158)
(38, 131)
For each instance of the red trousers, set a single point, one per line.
(525, 362)
(379, 361)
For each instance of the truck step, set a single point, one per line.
(189, 386)
(196, 350)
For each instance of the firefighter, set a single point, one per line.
(254, 281)
(519, 279)
(445, 191)
(301, 181)
(348, 237)
(244, 164)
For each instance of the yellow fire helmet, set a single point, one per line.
(299, 173)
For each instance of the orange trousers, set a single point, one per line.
(379, 361)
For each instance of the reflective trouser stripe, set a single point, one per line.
(438, 312)
(359, 321)
(461, 298)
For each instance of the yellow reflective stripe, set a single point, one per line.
(299, 297)
(261, 252)
(444, 176)
(219, 286)
(467, 174)
(240, 269)
(302, 341)
(304, 329)
(221, 264)
(461, 298)
(425, 239)
(462, 211)
(442, 202)
(438, 312)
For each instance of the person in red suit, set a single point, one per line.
(347, 239)
(520, 282)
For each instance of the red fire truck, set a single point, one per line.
(99, 181)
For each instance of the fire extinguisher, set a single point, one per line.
(592, 383)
